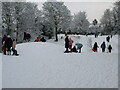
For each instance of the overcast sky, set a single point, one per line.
(94, 8)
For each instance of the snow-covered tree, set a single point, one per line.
(111, 20)
(80, 23)
(7, 17)
(117, 5)
(28, 20)
(57, 15)
(107, 21)
(19, 17)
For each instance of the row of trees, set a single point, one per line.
(20, 17)
(110, 21)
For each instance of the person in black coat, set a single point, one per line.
(95, 47)
(103, 46)
(108, 39)
(67, 44)
(109, 48)
(8, 45)
(42, 39)
(74, 49)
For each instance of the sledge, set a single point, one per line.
(67, 52)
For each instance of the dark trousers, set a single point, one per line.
(14, 51)
(9, 50)
(79, 50)
(109, 50)
(103, 50)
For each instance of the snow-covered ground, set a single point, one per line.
(45, 65)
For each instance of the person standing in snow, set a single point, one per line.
(109, 48)
(111, 35)
(108, 39)
(70, 43)
(66, 43)
(79, 46)
(13, 48)
(103, 46)
(95, 47)
(3, 44)
(8, 45)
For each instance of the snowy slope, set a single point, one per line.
(44, 65)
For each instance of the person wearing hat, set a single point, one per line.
(66, 44)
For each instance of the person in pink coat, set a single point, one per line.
(70, 43)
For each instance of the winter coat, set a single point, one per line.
(103, 46)
(4, 39)
(79, 45)
(66, 42)
(95, 46)
(37, 40)
(43, 40)
(8, 43)
(108, 39)
(70, 41)
(14, 44)
(109, 47)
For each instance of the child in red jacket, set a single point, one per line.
(37, 40)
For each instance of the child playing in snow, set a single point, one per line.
(74, 49)
(109, 48)
(13, 48)
(37, 40)
(79, 46)
(95, 47)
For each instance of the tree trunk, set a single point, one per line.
(56, 37)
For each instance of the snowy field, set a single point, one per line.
(45, 65)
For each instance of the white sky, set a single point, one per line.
(94, 8)
(74, 0)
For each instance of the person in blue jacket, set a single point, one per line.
(79, 46)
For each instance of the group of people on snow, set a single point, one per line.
(8, 45)
(78, 46)
(103, 46)
(38, 39)
(69, 43)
